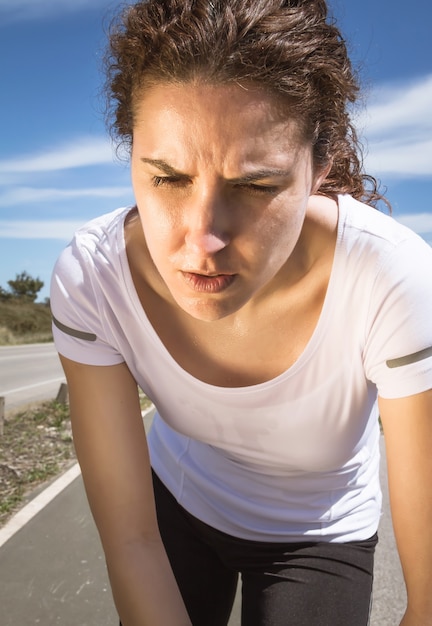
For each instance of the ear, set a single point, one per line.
(320, 176)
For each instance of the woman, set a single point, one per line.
(263, 305)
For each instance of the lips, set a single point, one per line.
(204, 283)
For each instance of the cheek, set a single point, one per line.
(159, 223)
(279, 226)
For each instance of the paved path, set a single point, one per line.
(52, 571)
(29, 373)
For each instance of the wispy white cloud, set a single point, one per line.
(397, 125)
(401, 106)
(29, 195)
(25, 10)
(82, 152)
(396, 157)
(53, 229)
(19, 174)
(10, 5)
(421, 223)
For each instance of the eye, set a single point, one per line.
(168, 181)
(259, 189)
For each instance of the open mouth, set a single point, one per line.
(209, 284)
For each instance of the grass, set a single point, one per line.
(23, 321)
(37, 442)
(36, 446)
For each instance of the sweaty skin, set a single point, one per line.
(228, 232)
(220, 193)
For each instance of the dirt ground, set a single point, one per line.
(36, 445)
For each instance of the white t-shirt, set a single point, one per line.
(295, 458)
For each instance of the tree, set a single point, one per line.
(25, 286)
(4, 295)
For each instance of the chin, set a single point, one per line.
(209, 310)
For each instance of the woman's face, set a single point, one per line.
(221, 180)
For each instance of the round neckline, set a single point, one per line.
(304, 357)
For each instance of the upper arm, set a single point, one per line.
(407, 424)
(111, 447)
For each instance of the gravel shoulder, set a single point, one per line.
(36, 446)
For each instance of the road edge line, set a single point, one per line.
(32, 508)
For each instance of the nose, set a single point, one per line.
(207, 243)
(207, 227)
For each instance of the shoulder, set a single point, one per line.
(87, 281)
(95, 244)
(363, 221)
(379, 241)
(390, 259)
(105, 230)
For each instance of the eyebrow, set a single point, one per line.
(260, 175)
(247, 178)
(164, 167)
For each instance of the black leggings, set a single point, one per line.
(283, 584)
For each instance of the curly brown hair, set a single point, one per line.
(289, 47)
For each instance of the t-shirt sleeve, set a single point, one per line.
(398, 349)
(77, 307)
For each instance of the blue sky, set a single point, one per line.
(57, 167)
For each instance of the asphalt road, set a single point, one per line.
(52, 571)
(29, 373)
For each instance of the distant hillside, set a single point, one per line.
(23, 321)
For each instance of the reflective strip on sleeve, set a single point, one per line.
(79, 334)
(410, 358)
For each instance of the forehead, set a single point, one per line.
(227, 118)
(207, 102)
